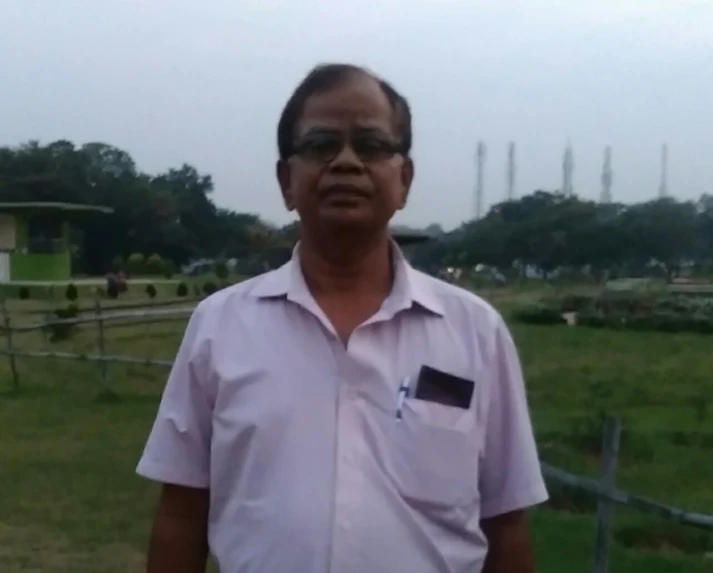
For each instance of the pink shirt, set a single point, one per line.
(296, 436)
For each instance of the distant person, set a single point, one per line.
(344, 413)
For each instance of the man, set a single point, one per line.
(344, 413)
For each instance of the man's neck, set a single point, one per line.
(347, 265)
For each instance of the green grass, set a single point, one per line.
(71, 503)
(654, 381)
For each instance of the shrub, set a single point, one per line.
(154, 265)
(626, 302)
(23, 293)
(151, 291)
(576, 302)
(677, 305)
(209, 288)
(61, 330)
(221, 269)
(136, 263)
(592, 319)
(112, 289)
(71, 293)
(169, 268)
(196, 291)
(182, 290)
(543, 315)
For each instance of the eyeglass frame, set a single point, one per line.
(389, 146)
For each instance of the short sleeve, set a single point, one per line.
(510, 474)
(178, 448)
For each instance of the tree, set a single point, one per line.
(663, 232)
(170, 214)
(550, 231)
(173, 216)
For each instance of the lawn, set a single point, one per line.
(72, 504)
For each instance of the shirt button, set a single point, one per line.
(346, 526)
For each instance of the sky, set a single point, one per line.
(204, 81)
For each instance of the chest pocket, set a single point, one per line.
(434, 454)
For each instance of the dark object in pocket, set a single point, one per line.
(443, 388)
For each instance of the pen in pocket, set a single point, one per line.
(403, 392)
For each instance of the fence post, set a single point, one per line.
(10, 347)
(102, 347)
(607, 481)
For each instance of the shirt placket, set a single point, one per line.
(350, 485)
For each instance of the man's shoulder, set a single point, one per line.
(458, 301)
(232, 297)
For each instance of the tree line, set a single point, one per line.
(169, 214)
(550, 231)
(172, 215)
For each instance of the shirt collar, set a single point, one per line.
(411, 288)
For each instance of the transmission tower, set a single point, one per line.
(480, 175)
(510, 190)
(607, 177)
(663, 186)
(567, 170)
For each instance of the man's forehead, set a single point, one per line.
(359, 101)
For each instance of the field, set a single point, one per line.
(71, 503)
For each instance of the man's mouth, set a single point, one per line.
(344, 194)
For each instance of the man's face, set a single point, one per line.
(347, 172)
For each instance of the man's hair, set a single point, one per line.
(325, 77)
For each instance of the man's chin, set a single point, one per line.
(347, 217)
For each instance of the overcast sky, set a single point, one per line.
(203, 82)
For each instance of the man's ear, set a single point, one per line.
(407, 174)
(282, 170)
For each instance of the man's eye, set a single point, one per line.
(321, 146)
(372, 146)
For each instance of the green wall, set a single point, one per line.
(38, 266)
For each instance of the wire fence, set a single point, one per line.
(603, 489)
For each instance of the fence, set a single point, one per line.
(607, 494)
(604, 488)
(100, 317)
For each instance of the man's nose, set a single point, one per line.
(347, 160)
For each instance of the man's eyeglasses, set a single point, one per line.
(369, 145)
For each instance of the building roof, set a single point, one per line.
(53, 206)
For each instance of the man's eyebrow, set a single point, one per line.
(362, 130)
(320, 130)
(373, 131)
